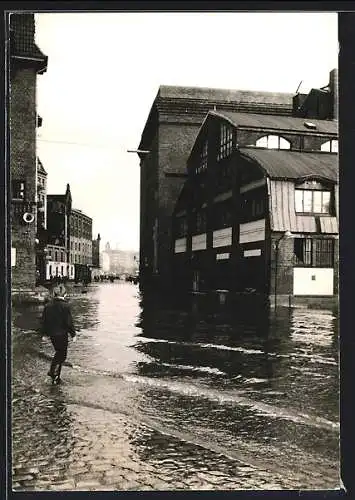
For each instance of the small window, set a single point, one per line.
(330, 146)
(56, 256)
(273, 142)
(18, 189)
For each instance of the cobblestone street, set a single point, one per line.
(111, 428)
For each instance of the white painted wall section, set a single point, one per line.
(199, 242)
(313, 281)
(222, 237)
(180, 245)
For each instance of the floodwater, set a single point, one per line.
(249, 385)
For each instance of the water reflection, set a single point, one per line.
(258, 383)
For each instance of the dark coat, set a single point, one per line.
(57, 319)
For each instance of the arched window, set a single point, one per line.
(273, 142)
(330, 146)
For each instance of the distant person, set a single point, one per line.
(57, 324)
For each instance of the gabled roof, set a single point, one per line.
(22, 36)
(205, 98)
(286, 164)
(41, 169)
(279, 123)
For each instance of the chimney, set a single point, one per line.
(334, 90)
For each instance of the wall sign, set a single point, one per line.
(222, 256)
(256, 252)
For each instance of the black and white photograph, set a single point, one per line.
(174, 215)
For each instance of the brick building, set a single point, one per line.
(81, 244)
(41, 240)
(59, 207)
(259, 209)
(26, 62)
(96, 261)
(168, 136)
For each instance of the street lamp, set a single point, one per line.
(287, 234)
(138, 151)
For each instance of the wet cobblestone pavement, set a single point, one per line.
(127, 421)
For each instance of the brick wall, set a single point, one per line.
(23, 167)
(284, 265)
(175, 143)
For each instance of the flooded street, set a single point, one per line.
(183, 397)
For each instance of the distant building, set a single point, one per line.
(41, 237)
(259, 210)
(59, 208)
(81, 244)
(26, 62)
(119, 262)
(168, 136)
(96, 261)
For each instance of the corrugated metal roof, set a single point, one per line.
(286, 164)
(276, 122)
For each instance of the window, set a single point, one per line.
(273, 142)
(330, 146)
(225, 141)
(222, 215)
(314, 252)
(62, 256)
(201, 221)
(18, 189)
(253, 204)
(50, 270)
(202, 166)
(312, 201)
(56, 256)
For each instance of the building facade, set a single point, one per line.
(81, 244)
(118, 262)
(258, 212)
(168, 136)
(96, 260)
(26, 62)
(59, 209)
(41, 239)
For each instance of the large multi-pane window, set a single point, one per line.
(273, 142)
(314, 252)
(225, 141)
(312, 201)
(180, 226)
(330, 146)
(202, 165)
(253, 205)
(222, 215)
(201, 221)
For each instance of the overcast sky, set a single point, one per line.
(104, 71)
